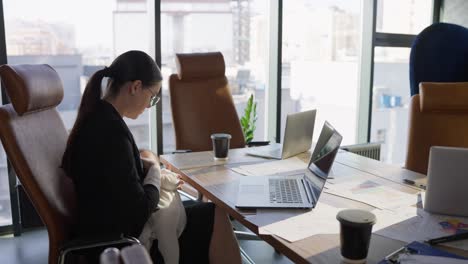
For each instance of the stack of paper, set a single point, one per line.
(271, 168)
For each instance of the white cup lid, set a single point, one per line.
(220, 135)
(356, 217)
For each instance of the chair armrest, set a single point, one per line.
(93, 243)
(258, 143)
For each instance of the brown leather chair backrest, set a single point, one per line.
(438, 117)
(34, 138)
(201, 102)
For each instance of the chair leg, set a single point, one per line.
(246, 257)
(242, 235)
(193, 198)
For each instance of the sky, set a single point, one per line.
(92, 18)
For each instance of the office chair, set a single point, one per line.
(438, 117)
(202, 105)
(201, 102)
(34, 138)
(439, 54)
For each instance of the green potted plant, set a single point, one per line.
(249, 119)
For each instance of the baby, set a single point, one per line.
(167, 224)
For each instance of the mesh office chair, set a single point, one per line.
(34, 138)
(438, 117)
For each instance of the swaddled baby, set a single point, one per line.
(168, 223)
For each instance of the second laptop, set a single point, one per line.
(297, 137)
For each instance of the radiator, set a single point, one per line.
(370, 150)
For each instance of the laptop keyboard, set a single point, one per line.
(284, 191)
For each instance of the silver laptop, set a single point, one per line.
(292, 191)
(446, 181)
(297, 137)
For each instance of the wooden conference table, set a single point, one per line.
(217, 182)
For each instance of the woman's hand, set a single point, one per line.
(171, 181)
(149, 159)
(180, 183)
(148, 163)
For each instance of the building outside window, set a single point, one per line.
(76, 38)
(320, 55)
(391, 88)
(236, 28)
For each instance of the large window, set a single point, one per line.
(238, 29)
(455, 11)
(320, 55)
(391, 96)
(5, 207)
(76, 38)
(391, 89)
(403, 16)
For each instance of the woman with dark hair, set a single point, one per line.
(118, 189)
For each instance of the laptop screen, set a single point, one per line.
(321, 163)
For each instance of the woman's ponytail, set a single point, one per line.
(91, 97)
(92, 93)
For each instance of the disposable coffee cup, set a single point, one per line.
(220, 145)
(355, 234)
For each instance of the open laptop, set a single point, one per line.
(292, 191)
(297, 137)
(446, 181)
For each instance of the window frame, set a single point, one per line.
(382, 39)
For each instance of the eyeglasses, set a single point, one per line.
(154, 98)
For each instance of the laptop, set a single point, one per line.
(297, 137)
(292, 191)
(446, 181)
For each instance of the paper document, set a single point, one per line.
(373, 193)
(386, 218)
(321, 220)
(426, 226)
(271, 168)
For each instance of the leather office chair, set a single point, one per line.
(439, 54)
(201, 102)
(34, 138)
(201, 105)
(438, 117)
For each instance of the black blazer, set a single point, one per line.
(108, 175)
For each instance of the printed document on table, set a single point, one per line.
(372, 193)
(272, 167)
(426, 226)
(321, 220)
